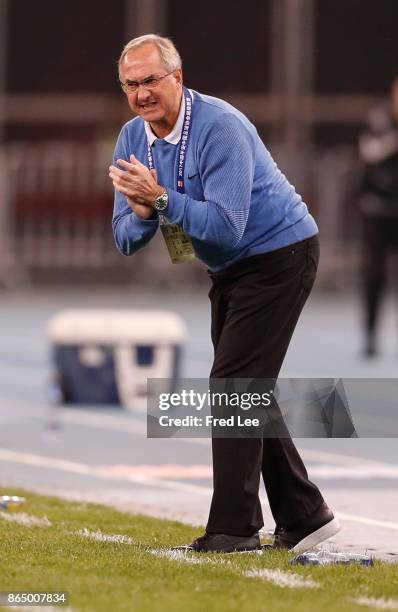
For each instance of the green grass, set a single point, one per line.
(113, 576)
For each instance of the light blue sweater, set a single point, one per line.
(236, 203)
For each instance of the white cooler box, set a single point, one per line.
(106, 356)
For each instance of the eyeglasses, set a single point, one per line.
(149, 83)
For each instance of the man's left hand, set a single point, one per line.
(136, 181)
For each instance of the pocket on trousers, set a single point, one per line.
(311, 267)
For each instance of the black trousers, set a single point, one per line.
(255, 305)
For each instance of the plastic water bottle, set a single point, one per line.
(10, 500)
(324, 557)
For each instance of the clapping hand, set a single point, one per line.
(138, 184)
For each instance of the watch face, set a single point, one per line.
(161, 202)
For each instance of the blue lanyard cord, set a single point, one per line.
(182, 152)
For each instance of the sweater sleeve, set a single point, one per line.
(130, 231)
(226, 168)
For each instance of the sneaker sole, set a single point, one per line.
(190, 548)
(318, 536)
(227, 551)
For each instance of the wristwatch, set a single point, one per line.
(161, 202)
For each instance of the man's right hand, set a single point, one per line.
(143, 210)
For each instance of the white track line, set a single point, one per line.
(283, 579)
(347, 466)
(126, 423)
(98, 472)
(205, 472)
(104, 473)
(366, 521)
(354, 472)
(340, 459)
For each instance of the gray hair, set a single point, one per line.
(167, 51)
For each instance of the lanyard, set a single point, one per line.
(182, 152)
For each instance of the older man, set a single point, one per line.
(198, 163)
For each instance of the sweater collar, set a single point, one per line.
(175, 135)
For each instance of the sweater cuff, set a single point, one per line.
(176, 206)
(145, 223)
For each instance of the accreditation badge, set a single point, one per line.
(178, 243)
